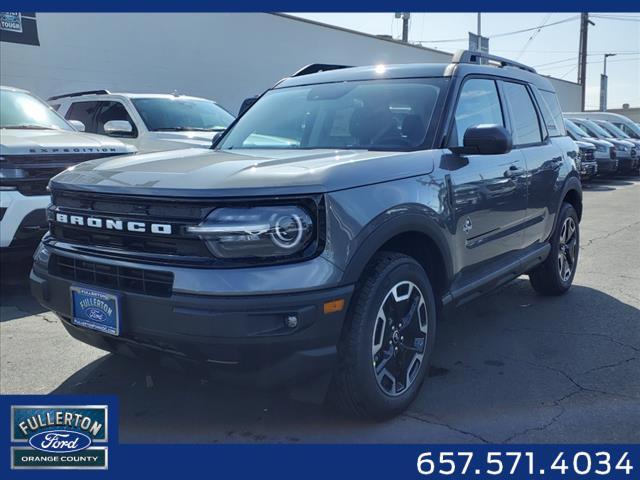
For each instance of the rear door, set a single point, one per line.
(489, 193)
(543, 157)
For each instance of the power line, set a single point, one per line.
(498, 35)
(533, 35)
(611, 17)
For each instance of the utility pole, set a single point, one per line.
(582, 54)
(405, 16)
(479, 24)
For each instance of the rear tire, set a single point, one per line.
(387, 341)
(555, 275)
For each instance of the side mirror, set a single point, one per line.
(118, 128)
(215, 139)
(77, 124)
(246, 103)
(485, 140)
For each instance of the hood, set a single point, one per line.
(597, 141)
(185, 139)
(620, 143)
(197, 172)
(584, 145)
(27, 142)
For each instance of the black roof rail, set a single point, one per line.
(318, 67)
(78, 94)
(468, 56)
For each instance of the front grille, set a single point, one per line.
(135, 280)
(633, 153)
(612, 152)
(588, 155)
(41, 168)
(174, 248)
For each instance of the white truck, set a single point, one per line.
(36, 144)
(150, 122)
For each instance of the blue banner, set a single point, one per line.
(325, 6)
(286, 461)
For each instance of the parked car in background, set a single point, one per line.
(620, 135)
(605, 153)
(625, 124)
(35, 144)
(625, 151)
(586, 160)
(386, 193)
(150, 122)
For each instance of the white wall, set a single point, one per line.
(223, 56)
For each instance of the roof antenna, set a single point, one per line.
(175, 93)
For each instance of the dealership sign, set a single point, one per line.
(19, 27)
(53, 437)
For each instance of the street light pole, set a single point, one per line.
(604, 81)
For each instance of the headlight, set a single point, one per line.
(622, 148)
(11, 173)
(601, 148)
(256, 232)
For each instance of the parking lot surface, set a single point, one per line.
(512, 367)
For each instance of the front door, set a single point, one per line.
(489, 191)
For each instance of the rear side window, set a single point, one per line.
(478, 104)
(84, 112)
(552, 113)
(525, 125)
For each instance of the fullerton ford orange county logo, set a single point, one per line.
(50, 437)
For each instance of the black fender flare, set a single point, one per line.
(571, 183)
(383, 228)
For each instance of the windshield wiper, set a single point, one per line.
(189, 129)
(28, 127)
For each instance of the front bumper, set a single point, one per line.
(243, 338)
(607, 165)
(627, 163)
(23, 222)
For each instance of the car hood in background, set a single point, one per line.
(184, 139)
(44, 142)
(194, 172)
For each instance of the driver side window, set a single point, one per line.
(478, 104)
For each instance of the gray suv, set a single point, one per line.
(326, 229)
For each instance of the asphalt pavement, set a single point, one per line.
(512, 367)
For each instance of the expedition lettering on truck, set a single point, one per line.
(326, 228)
(36, 144)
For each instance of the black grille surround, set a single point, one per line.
(135, 280)
(179, 248)
(40, 168)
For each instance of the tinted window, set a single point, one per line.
(84, 112)
(113, 111)
(525, 127)
(375, 114)
(175, 114)
(478, 104)
(552, 114)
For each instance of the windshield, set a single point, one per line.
(594, 129)
(371, 115)
(21, 110)
(177, 114)
(613, 130)
(574, 129)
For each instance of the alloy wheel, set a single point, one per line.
(567, 251)
(399, 338)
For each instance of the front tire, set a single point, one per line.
(388, 339)
(555, 275)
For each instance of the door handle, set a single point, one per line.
(513, 171)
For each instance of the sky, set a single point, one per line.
(552, 50)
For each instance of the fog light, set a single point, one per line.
(291, 321)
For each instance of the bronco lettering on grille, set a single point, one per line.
(113, 224)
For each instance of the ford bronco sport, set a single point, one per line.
(326, 228)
